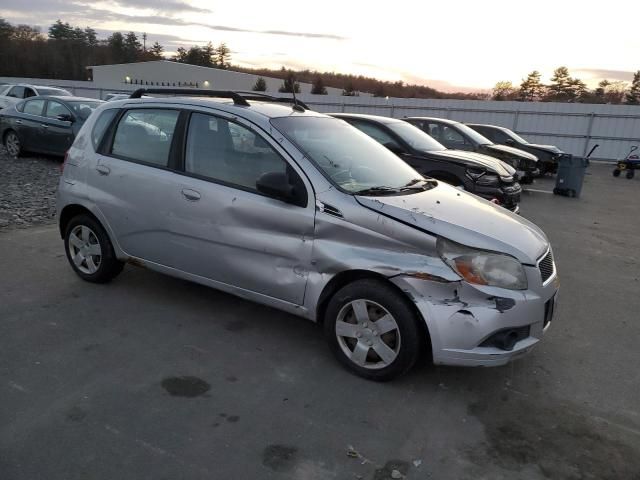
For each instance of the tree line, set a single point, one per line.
(565, 88)
(66, 50)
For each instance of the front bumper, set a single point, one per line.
(508, 195)
(463, 319)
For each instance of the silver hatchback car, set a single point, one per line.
(303, 212)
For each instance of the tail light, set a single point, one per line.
(66, 155)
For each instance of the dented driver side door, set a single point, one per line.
(228, 231)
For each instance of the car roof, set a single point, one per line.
(264, 109)
(31, 85)
(376, 118)
(497, 127)
(434, 119)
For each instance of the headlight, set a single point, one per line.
(481, 267)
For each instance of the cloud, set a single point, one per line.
(165, 5)
(608, 74)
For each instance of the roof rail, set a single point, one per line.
(237, 99)
(265, 97)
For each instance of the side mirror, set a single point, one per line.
(276, 185)
(394, 147)
(64, 117)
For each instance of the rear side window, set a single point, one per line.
(33, 107)
(101, 125)
(56, 108)
(16, 92)
(228, 152)
(145, 135)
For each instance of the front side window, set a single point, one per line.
(375, 132)
(228, 152)
(348, 157)
(415, 137)
(33, 107)
(145, 135)
(56, 108)
(82, 109)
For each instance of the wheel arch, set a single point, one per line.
(348, 276)
(71, 211)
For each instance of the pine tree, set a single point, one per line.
(318, 87)
(633, 95)
(60, 31)
(599, 92)
(223, 56)
(91, 37)
(560, 88)
(531, 89)
(156, 51)
(349, 90)
(131, 47)
(289, 84)
(260, 85)
(181, 55)
(578, 89)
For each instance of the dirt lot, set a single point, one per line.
(91, 380)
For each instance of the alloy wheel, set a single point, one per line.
(368, 334)
(12, 144)
(85, 250)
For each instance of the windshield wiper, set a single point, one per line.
(379, 190)
(413, 184)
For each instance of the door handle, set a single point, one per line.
(19, 122)
(190, 195)
(102, 170)
(44, 126)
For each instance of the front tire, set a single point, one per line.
(373, 330)
(12, 144)
(89, 250)
(630, 174)
(616, 173)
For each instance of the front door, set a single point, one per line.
(57, 135)
(225, 229)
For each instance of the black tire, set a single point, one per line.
(571, 193)
(616, 173)
(630, 174)
(409, 344)
(12, 144)
(109, 266)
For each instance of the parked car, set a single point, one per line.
(301, 211)
(480, 174)
(44, 124)
(548, 155)
(12, 94)
(112, 97)
(458, 136)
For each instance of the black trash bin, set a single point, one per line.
(570, 176)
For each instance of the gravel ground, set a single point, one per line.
(27, 190)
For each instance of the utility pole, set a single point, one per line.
(144, 42)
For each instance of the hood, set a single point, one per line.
(512, 151)
(545, 148)
(476, 159)
(464, 218)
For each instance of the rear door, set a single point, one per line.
(226, 230)
(133, 182)
(58, 134)
(28, 124)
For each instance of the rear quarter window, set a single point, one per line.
(100, 127)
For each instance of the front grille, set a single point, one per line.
(546, 267)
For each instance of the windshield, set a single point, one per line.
(83, 109)
(351, 159)
(56, 92)
(515, 136)
(475, 136)
(416, 137)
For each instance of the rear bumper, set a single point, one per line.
(463, 328)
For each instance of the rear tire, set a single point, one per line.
(616, 173)
(630, 174)
(12, 144)
(89, 250)
(373, 330)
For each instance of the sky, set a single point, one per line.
(450, 45)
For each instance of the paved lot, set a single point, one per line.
(87, 375)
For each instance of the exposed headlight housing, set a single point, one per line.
(482, 177)
(482, 267)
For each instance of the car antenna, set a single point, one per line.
(296, 106)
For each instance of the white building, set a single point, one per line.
(163, 73)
